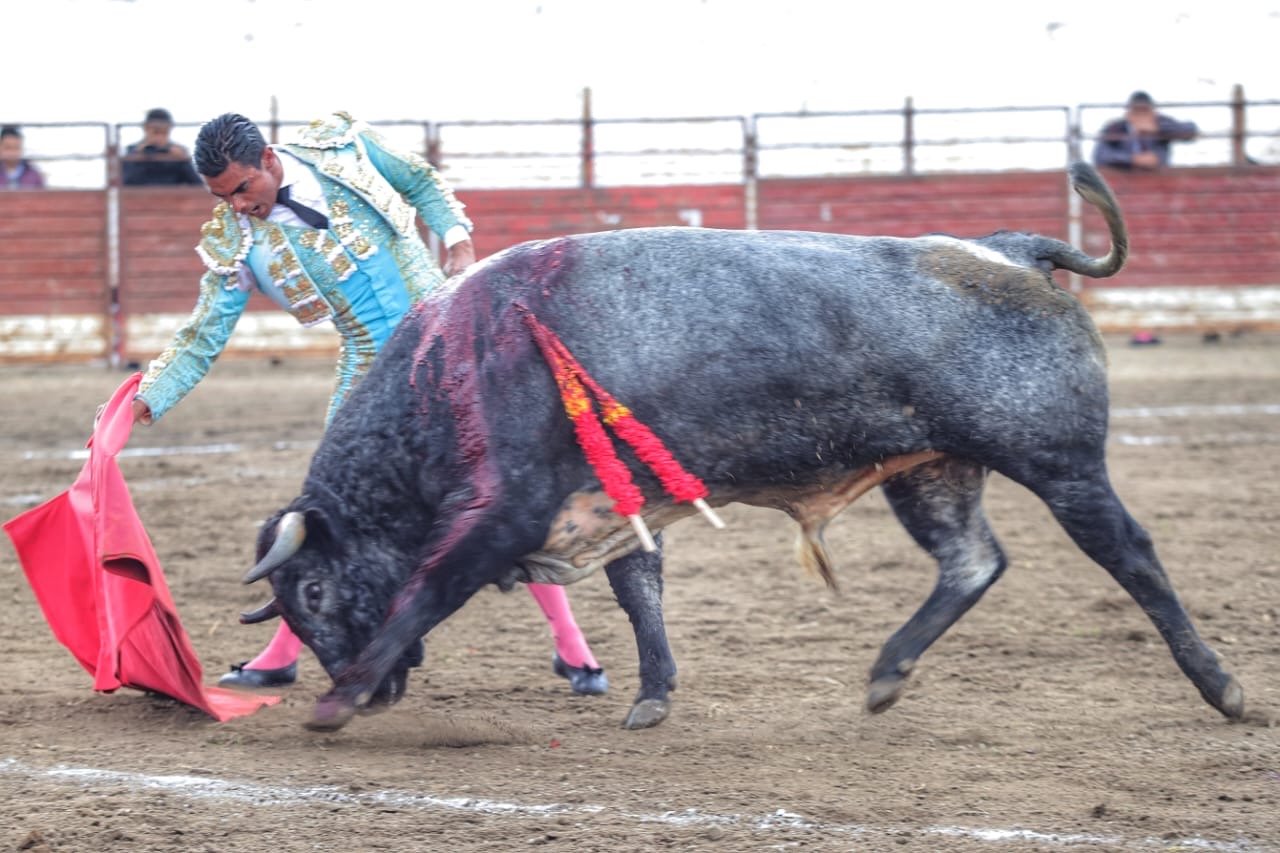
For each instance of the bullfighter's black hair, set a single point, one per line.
(229, 138)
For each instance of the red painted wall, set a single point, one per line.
(1189, 227)
(961, 205)
(1195, 227)
(53, 252)
(506, 217)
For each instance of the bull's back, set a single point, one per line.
(791, 344)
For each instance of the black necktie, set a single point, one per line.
(309, 215)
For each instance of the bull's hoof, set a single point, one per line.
(330, 715)
(1231, 702)
(883, 693)
(647, 713)
(391, 692)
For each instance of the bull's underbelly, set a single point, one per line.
(586, 534)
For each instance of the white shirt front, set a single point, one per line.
(304, 188)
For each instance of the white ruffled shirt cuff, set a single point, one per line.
(455, 235)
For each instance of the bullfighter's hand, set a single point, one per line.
(461, 256)
(141, 412)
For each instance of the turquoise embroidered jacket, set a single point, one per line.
(362, 273)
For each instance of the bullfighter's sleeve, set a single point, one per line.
(195, 346)
(420, 184)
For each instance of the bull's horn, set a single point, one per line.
(270, 610)
(290, 533)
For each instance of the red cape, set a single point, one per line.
(95, 573)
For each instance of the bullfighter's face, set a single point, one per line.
(250, 190)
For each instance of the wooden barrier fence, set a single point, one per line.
(110, 274)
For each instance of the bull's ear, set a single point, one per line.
(325, 529)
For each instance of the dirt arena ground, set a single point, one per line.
(1052, 717)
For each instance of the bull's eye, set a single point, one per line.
(313, 596)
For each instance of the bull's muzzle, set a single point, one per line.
(291, 531)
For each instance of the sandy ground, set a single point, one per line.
(1052, 717)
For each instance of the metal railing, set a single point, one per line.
(590, 151)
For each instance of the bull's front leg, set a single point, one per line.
(637, 583)
(447, 578)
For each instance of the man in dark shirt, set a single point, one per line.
(1140, 140)
(157, 159)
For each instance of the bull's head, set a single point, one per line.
(333, 601)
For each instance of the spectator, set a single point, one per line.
(157, 159)
(16, 173)
(1140, 140)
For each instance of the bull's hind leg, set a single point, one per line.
(1089, 510)
(940, 505)
(637, 582)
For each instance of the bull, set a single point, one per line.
(790, 370)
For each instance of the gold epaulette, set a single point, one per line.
(334, 131)
(223, 243)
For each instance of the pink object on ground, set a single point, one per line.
(95, 573)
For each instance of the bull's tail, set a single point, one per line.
(1093, 189)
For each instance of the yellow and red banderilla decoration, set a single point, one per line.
(577, 388)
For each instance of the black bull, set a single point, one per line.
(785, 369)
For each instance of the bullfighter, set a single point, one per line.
(326, 228)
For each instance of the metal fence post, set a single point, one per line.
(431, 139)
(274, 125)
(1075, 209)
(908, 137)
(750, 174)
(114, 330)
(1238, 155)
(588, 142)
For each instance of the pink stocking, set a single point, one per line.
(570, 644)
(281, 651)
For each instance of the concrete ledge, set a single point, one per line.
(1206, 307)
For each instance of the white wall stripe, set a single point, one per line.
(1197, 411)
(1217, 438)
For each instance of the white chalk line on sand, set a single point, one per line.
(221, 790)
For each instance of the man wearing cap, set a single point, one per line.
(1140, 140)
(157, 159)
